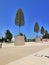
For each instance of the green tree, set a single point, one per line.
(46, 32)
(8, 35)
(19, 19)
(46, 36)
(42, 30)
(36, 28)
(21, 34)
(25, 38)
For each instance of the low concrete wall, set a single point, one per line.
(19, 40)
(45, 40)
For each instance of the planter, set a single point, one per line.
(37, 39)
(19, 40)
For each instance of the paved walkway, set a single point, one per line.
(38, 58)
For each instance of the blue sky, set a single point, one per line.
(34, 11)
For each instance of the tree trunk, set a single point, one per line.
(37, 35)
(19, 30)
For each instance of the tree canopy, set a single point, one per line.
(46, 32)
(42, 30)
(19, 19)
(36, 27)
(8, 35)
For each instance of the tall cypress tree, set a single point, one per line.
(19, 19)
(42, 30)
(36, 28)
